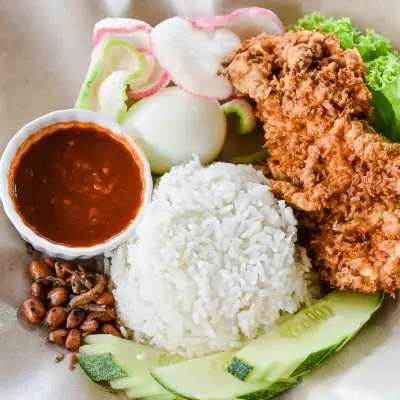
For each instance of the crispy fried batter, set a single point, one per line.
(325, 160)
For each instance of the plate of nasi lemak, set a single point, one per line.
(167, 273)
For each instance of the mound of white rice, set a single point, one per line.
(213, 261)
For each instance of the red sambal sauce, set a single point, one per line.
(78, 186)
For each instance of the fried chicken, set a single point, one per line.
(325, 160)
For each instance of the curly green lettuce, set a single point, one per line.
(370, 45)
(383, 79)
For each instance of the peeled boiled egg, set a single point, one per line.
(173, 124)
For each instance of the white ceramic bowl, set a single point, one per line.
(40, 243)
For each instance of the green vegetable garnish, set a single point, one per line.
(306, 339)
(114, 63)
(253, 158)
(124, 364)
(370, 45)
(384, 81)
(101, 367)
(246, 118)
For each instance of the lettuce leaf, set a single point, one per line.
(383, 79)
(370, 45)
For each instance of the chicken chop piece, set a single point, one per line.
(325, 160)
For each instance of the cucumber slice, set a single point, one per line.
(150, 392)
(100, 339)
(95, 349)
(246, 117)
(112, 55)
(109, 354)
(101, 367)
(206, 378)
(305, 339)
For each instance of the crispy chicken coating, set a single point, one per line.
(325, 160)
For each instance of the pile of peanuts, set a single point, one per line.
(71, 302)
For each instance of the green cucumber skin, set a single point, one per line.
(239, 369)
(94, 73)
(242, 370)
(163, 384)
(244, 111)
(143, 394)
(264, 394)
(171, 397)
(322, 356)
(242, 127)
(276, 388)
(378, 305)
(100, 367)
(312, 360)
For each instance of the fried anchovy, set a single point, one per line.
(89, 296)
(52, 280)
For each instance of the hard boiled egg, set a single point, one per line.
(172, 125)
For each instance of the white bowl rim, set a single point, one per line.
(39, 242)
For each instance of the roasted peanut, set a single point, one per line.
(58, 297)
(74, 339)
(108, 315)
(33, 309)
(55, 317)
(89, 326)
(106, 298)
(59, 336)
(37, 290)
(38, 270)
(60, 273)
(75, 318)
(50, 261)
(66, 267)
(110, 330)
